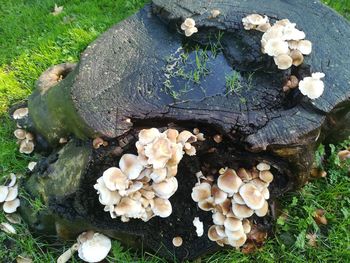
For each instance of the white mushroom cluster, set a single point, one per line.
(25, 140)
(189, 26)
(91, 246)
(233, 199)
(9, 195)
(256, 22)
(313, 86)
(143, 183)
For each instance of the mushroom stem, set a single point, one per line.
(68, 254)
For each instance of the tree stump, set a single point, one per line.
(144, 72)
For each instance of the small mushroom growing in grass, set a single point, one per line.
(92, 247)
(177, 241)
(20, 113)
(313, 86)
(7, 228)
(189, 26)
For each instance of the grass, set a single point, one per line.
(32, 40)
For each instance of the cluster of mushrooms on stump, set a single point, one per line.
(181, 125)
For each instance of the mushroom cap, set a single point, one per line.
(97, 142)
(218, 218)
(190, 31)
(189, 22)
(177, 153)
(219, 195)
(162, 207)
(20, 113)
(238, 243)
(233, 224)
(12, 193)
(31, 166)
(177, 241)
(130, 165)
(7, 228)
(4, 190)
(238, 199)
(215, 13)
(294, 81)
(266, 193)
(274, 32)
(171, 134)
(158, 175)
(260, 184)
(95, 249)
(186, 136)
(106, 197)
(255, 19)
(129, 208)
(263, 210)
(229, 182)
(26, 147)
(213, 234)
(201, 192)
(217, 138)
(132, 191)
(13, 181)
(275, 47)
(235, 235)
(207, 204)
(159, 152)
(266, 176)
(242, 211)
(224, 207)
(115, 179)
(283, 61)
(251, 196)
(263, 27)
(305, 47)
(311, 87)
(297, 57)
(199, 226)
(191, 151)
(244, 174)
(166, 188)
(147, 136)
(20, 134)
(246, 226)
(11, 206)
(291, 33)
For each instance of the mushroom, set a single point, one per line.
(26, 147)
(218, 218)
(275, 47)
(239, 242)
(159, 152)
(283, 61)
(130, 166)
(106, 197)
(291, 33)
(297, 57)
(20, 134)
(63, 140)
(98, 142)
(305, 47)
(7, 228)
(4, 190)
(251, 196)
(233, 224)
(217, 138)
(189, 26)
(12, 193)
(263, 166)
(128, 207)
(207, 204)
(252, 21)
(162, 207)
(244, 174)
(266, 193)
(10, 207)
(238, 199)
(219, 195)
(201, 192)
(177, 241)
(20, 113)
(114, 179)
(242, 211)
(147, 136)
(229, 182)
(213, 234)
(263, 27)
(246, 226)
(199, 226)
(215, 13)
(158, 175)
(313, 86)
(263, 210)
(13, 180)
(266, 176)
(166, 188)
(31, 166)
(94, 248)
